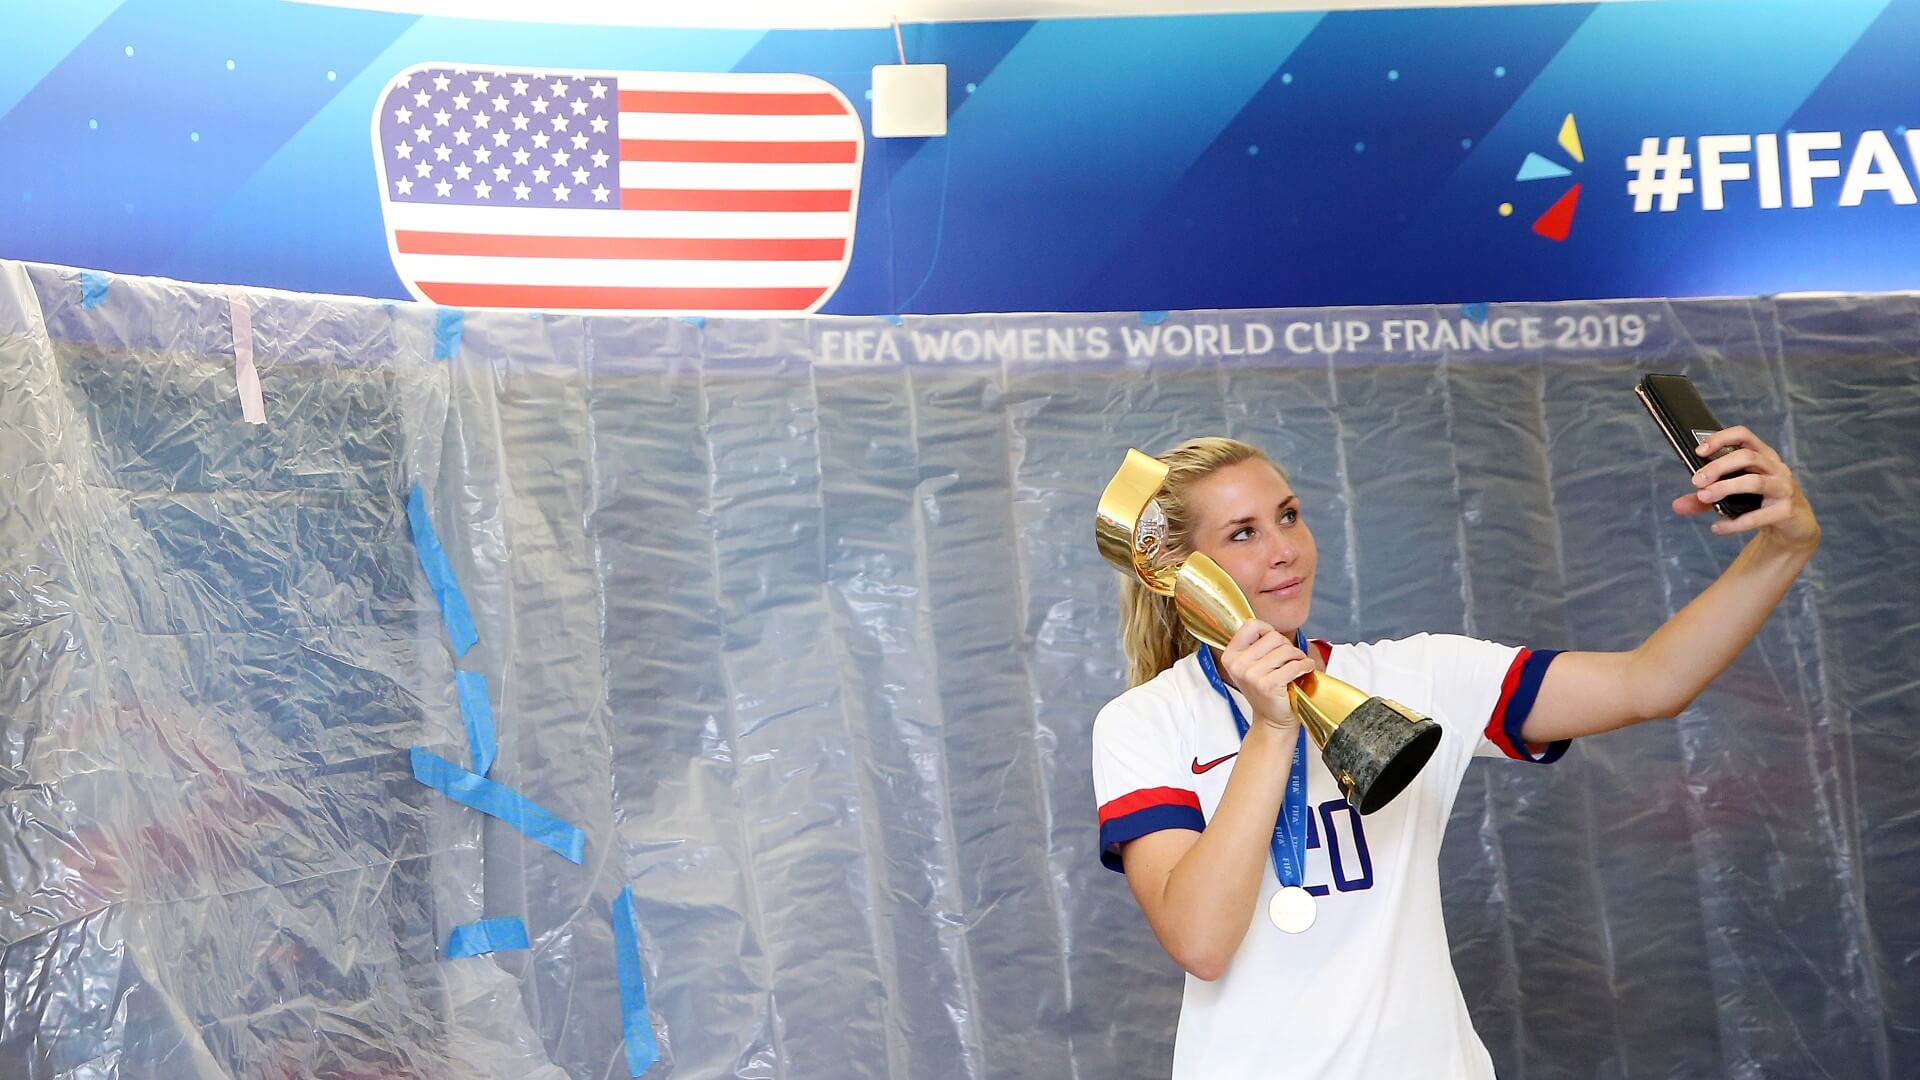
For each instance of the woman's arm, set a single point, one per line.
(1198, 889)
(1585, 693)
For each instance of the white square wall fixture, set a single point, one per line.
(909, 101)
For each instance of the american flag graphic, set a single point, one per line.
(658, 192)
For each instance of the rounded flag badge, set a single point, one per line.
(640, 192)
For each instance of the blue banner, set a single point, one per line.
(1456, 155)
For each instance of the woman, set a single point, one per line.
(1197, 769)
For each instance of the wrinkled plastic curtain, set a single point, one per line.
(808, 639)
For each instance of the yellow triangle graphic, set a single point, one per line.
(1570, 139)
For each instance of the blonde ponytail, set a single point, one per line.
(1151, 635)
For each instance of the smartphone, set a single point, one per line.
(1686, 421)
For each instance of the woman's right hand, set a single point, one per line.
(1262, 661)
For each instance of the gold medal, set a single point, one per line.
(1292, 909)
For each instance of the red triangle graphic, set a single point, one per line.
(1558, 220)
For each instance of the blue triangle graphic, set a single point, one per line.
(1539, 168)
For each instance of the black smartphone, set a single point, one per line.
(1686, 421)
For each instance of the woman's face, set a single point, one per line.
(1247, 519)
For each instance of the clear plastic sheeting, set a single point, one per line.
(802, 623)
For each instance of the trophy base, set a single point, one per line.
(1377, 751)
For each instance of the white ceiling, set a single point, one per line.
(814, 14)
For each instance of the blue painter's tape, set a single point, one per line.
(1153, 318)
(1476, 312)
(635, 1022)
(485, 936)
(698, 322)
(433, 562)
(93, 290)
(497, 800)
(477, 711)
(447, 329)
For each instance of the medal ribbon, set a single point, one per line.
(1290, 827)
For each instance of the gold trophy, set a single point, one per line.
(1373, 747)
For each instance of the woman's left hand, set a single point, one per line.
(1784, 514)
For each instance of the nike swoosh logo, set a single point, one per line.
(1199, 768)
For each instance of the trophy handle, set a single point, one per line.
(1213, 608)
(1210, 602)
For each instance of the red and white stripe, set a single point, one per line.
(737, 196)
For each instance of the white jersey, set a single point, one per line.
(1369, 990)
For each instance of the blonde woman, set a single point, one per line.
(1211, 804)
